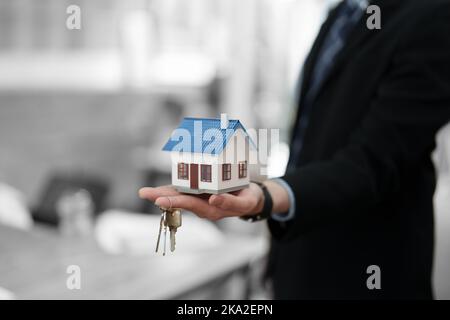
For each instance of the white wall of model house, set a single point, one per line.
(237, 150)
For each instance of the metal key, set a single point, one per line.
(161, 223)
(170, 219)
(173, 221)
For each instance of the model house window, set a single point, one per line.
(205, 173)
(183, 171)
(242, 169)
(226, 171)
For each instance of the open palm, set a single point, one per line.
(214, 207)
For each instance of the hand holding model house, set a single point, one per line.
(210, 175)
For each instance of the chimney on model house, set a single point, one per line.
(223, 121)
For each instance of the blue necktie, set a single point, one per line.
(348, 15)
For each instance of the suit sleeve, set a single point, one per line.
(395, 136)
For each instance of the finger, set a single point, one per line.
(197, 205)
(154, 193)
(231, 202)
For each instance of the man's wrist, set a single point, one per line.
(259, 207)
(264, 207)
(279, 194)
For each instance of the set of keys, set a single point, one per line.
(170, 219)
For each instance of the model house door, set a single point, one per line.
(194, 176)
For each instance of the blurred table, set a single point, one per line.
(33, 265)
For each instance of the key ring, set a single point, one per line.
(170, 201)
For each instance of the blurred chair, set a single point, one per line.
(13, 209)
(71, 201)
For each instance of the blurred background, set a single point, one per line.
(84, 114)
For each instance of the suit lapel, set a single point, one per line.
(310, 62)
(360, 34)
(356, 38)
(311, 59)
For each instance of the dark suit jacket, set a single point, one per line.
(365, 181)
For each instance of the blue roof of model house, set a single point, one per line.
(207, 142)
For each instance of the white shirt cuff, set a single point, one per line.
(284, 217)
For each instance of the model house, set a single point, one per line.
(210, 155)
